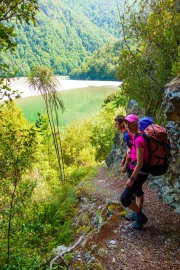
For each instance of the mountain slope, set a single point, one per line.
(101, 65)
(67, 32)
(102, 13)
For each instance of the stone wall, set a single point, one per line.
(168, 186)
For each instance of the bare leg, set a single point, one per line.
(134, 207)
(140, 201)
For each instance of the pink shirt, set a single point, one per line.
(140, 141)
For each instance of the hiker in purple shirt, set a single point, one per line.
(125, 138)
(137, 173)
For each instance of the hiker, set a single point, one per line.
(137, 175)
(125, 139)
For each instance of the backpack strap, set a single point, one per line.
(128, 138)
(142, 135)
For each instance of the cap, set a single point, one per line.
(144, 122)
(131, 118)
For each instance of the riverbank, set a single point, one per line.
(22, 86)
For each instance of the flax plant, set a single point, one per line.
(42, 80)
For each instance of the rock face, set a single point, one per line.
(168, 186)
(134, 108)
(172, 100)
(115, 156)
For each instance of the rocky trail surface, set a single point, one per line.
(110, 243)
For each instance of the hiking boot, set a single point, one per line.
(140, 220)
(131, 217)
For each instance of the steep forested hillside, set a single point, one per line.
(101, 65)
(102, 13)
(66, 33)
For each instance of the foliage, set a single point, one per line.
(176, 65)
(43, 211)
(63, 37)
(76, 175)
(103, 131)
(150, 55)
(17, 155)
(103, 14)
(43, 80)
(89, 141)
(16, 135)
(36, 211)
(116, 99)
(12, 11)
(77, 149)
(56, 217)
(101, 65)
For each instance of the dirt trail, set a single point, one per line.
(115, 245)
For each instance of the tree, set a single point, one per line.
(11, 12)
(43, 80)
(101, 65)
(18, 144)
(77, 148)
(151, 31)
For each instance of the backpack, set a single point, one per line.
(159, 146)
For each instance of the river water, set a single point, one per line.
(87, 99)
(21, 84)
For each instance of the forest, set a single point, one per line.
(43, 166)
(66, 32)
(146, 56)
(101, 65)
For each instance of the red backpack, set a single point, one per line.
(159, 146)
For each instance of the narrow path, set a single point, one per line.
(156, 246)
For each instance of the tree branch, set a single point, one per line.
(10, 10)
(66, 251)
(123, 29)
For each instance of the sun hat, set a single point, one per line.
(131, 118)
(144, 122)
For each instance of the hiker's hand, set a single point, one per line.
(129, 182)
(123, 170)
(128, 153)
(123, 161)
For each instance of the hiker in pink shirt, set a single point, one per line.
(137, 173)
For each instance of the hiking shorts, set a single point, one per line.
(136, 190)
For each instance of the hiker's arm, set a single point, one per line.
(123, 160)
(126, 162)
(140, 158)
